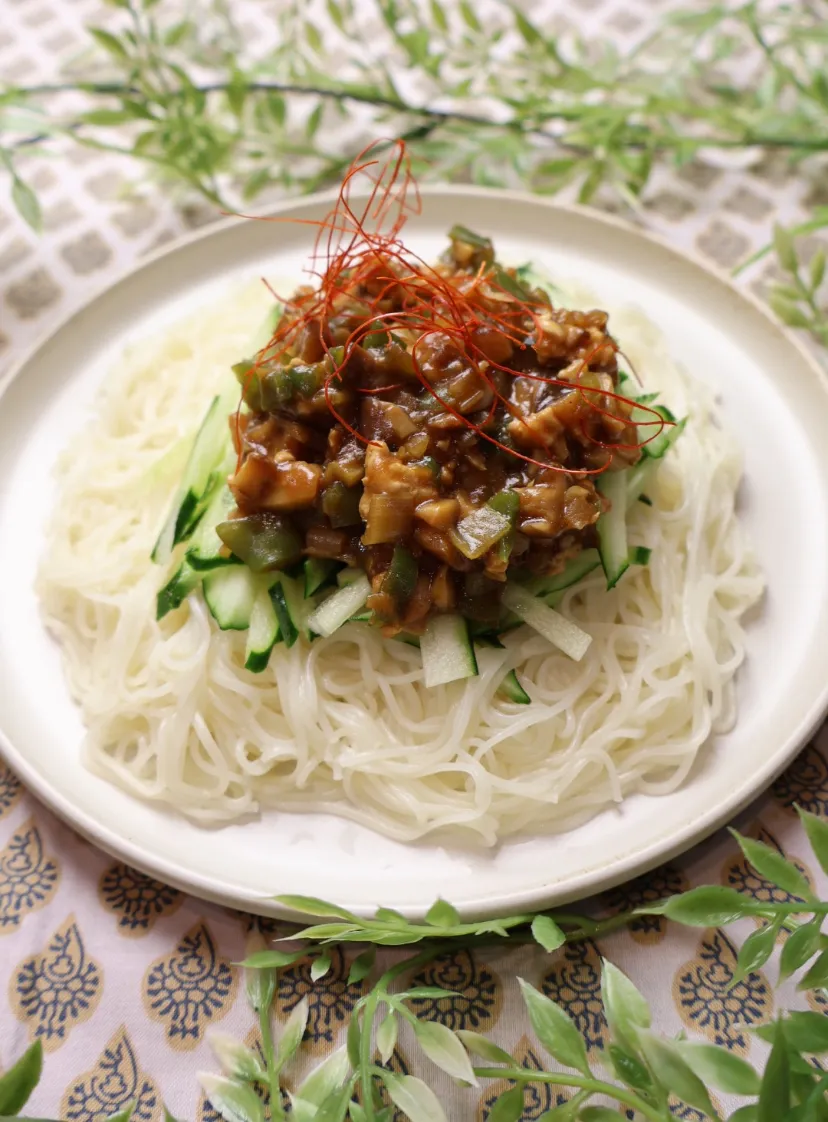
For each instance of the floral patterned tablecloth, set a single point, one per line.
(122, 977)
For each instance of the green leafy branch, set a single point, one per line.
(506, 103)
(639, 1070)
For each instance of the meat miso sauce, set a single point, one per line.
(441, 428)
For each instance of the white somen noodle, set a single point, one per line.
(345, 724)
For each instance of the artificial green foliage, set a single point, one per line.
(493, 99)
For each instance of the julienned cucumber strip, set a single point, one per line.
(640, 555)
(292, 609)
(658, 445)
(205, 550)
(318, 572)
(612, 527)
(448, 653)
(340, 607)
(639, 477)
(177, 589)
(287, 628)
(348, 576)
(576, 569)
(561, 632)
(201, 473)
(230, 593)
(512, 690)
(211, 446)
(263, 633)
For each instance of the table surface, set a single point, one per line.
(122, 977)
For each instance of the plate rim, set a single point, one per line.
(590, 883)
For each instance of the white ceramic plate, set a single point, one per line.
(773, 398)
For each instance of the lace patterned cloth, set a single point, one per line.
(121, 977)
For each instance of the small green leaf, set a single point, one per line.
(444, 1049)
(235, 1102)
(482, 1046)
(335, 1107)
(426, 991)
(817, 976)
(555, 1030)
(815, 1103)
(292, 1034)
(320, 966)
(356, 1112)
(629, 1070)
(353, 1040)
(755, 951)
(438, 15)
(592, 180)
(625, 1007)
(442, 914)
(787, 292)
(314, 37)
(26, 204)
(17, 1084)
(235, 1059)
(671, 1071)
(123, 1115)
(800, 946)
(507, 1107)
(816, 270)
(775, 1094)
(707, 906)
(527, 29)
(468, 15)
(260, 984)
(749, 1113)
(271, 960)
(110, 43)
(817, 831)
(277, 107)
(237, 91)
(326, 1078)
(335, 12)
(600, 1114)
(546, 932)
(563, 1113)
(332, 931)
(106, 117)
(807, 1032)
(558, 167)
(790, 313)
(314, 121)
(774, 867)
(387, 1036)
(719, 1068)
(178, 32)
(388, 915)
(413, 1097)
(783, 244)
(312, 906)
(362, 966)
(256, 182)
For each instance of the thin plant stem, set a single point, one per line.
(664, 142)
(570, 1079)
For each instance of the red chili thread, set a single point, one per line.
(362, 247)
